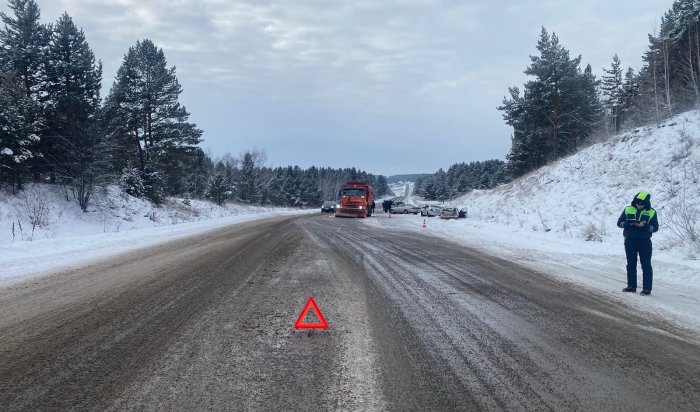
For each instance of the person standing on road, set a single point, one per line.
(639, 221)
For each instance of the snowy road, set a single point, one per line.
(416, 323)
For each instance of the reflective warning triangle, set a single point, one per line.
(311, 304)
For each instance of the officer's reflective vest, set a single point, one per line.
(644, 215)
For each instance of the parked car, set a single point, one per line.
(328, 206)
(397, 207)
(404, 208)
(449, 213)
(430, 210)
(463, 212)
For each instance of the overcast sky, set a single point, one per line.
(390, 87)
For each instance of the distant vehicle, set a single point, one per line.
(463, 212)
(328, 206)
(449, 213)
(404, 208)
(396, 205)
(430, 210)
(356, 200)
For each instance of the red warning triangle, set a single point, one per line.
(311, 304)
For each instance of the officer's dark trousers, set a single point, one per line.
(643, 248)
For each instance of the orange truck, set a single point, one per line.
(356, 200)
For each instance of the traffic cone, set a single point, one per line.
(424, 223)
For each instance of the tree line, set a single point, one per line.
(564, 107)
(246, 180)
(459, 179)
(56, 128)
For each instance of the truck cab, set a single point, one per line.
(356, 200)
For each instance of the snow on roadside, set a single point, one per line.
(117, 223)
(562, 218)
(597, 267)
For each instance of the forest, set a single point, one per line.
(564, 107)
(55, 128)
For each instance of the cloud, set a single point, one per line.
(437, 67)
(328, 48)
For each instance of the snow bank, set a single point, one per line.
(43, 228)
(562, 218)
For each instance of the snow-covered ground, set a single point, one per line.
(114, 224)
(403, 190)
(588, 266)
(562, 218)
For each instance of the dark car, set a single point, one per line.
(463, 212)
(328, 206)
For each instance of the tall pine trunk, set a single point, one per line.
(697, 55)
(665, 54)
(692, 79)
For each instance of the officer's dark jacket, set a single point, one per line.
(647, 214)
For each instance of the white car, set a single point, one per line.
(430, 210)
(405, 208)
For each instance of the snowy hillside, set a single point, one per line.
(581, 197)
(561, 220)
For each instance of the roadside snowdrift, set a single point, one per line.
(561, 219)
(582, 196)
(43, 228)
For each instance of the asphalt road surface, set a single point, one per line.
(416, 323)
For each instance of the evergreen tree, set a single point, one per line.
(23, 45)
(73, 100)
(459, 179)
(247, 183)
(16, 129)
(587, 114)
(200, 169)
(528, 142)
(218, 191)
(613, 93)
(556, 79)
(557, 110)
(649, 101)
(146, 120)
(630, 96)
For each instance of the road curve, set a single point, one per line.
(416, 323)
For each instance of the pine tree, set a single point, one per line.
(200, 170)
(218, 191)
(23, 45)
(588, 114)
(145, 118)
(630, 96)
(73, 100)
(613, 93)
(556, 112)
(650, 83)
(16, 129)
(247, 179)
(556, 76)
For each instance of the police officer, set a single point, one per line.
(639, 221)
